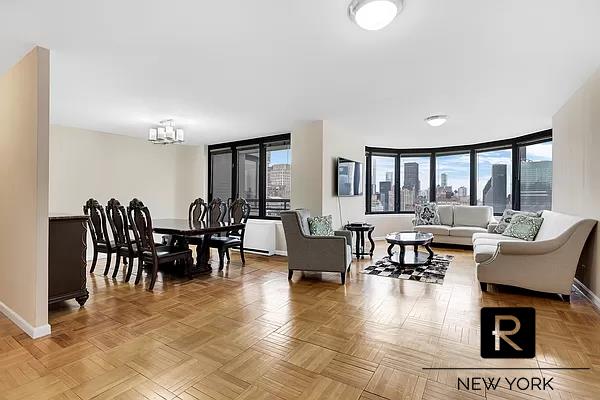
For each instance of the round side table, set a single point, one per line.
(358, 230)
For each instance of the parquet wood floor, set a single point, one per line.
(249, 334)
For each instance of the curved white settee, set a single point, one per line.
(547, 264)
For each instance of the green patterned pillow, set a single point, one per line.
(523, 227)
(320, 226)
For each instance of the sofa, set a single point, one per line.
(458, 224)
(307, 252)
(547, 264)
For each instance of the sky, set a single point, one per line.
(456, 166)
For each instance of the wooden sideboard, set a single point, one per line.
(67, 258)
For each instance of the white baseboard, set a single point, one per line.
(34, 332)
(281, 253)
(587, 293)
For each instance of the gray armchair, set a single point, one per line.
(315, 253)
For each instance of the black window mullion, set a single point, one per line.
(262, 181)
(516, 178)
(473, 178)
(234, 173)
(432, 177)
(397, 190)
(369, 187)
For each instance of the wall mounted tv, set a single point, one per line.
(349, 178)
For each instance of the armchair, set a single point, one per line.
(315, 253)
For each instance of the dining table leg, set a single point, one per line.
(203, 256)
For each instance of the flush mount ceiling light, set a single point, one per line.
(166, 133)
(374, 15)
(436, 120)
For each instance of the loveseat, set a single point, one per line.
(547, 264)
(458, 224)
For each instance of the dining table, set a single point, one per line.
(181, 230)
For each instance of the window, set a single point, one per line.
(414, 181)
(220, 167)
(383, 171)
(453, 179)
(248, 174)
(514, 173)
(279, 177)
(258, 170)
(536, 176)
(494, 179)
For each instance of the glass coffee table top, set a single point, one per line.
(409, 237)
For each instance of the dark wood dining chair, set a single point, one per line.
(119, 224)
(148, 251)
(217, 210)
(99, 232)
(198, 210)
(239, 212)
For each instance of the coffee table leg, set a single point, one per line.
(428, 248)
(389, 250)
(401, 255)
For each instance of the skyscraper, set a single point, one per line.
(536, 185)
(411, 177)
(494, 192)
(444, 180)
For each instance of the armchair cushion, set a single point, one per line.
(321, 226)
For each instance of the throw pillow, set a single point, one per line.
(523, 227)
(320, 226)
(507, 216)
(427, 214)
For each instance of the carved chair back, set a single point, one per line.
(198, 210)
(239, 212)
(141, 222)
(117, 219)
(216, 211)
(97, 217)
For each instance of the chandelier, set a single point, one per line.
(166, 133)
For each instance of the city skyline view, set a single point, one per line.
(494, 179)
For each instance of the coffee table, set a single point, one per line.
(414, 239)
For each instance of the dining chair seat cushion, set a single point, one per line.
(125, 247)
(226, 241)
(164, 251)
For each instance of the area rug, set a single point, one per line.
(432, 273)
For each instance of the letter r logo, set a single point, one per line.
(500, 334)
(507, 332)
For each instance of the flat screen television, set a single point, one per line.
(349, 178)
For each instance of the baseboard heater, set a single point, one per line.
(260, 237)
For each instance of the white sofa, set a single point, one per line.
(459, 223)
(547, 264)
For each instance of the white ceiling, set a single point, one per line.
(227, 69)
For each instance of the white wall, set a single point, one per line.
(307, 166)
(576, 168)
(85, 164)
(24, 109)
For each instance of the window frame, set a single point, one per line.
(263, 143)
(514, 144)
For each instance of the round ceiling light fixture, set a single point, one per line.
(436, 120)
(374, 15)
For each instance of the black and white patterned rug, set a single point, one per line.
(432, 273)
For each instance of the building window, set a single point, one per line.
(494, 179)
(514, 173)
(383, 178)
(536, 176)
(279, 178)
(258, 170)
(414, 181)
(453, 179)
